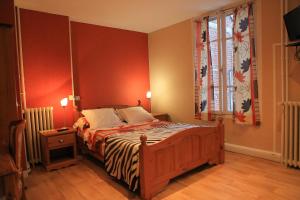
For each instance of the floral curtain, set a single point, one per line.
(203, 73)
(246, 104)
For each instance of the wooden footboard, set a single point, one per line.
(177, 154)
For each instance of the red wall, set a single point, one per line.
(110, 65)
(46, 57)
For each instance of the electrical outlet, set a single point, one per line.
(76, 98)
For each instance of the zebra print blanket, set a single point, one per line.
(122, 150)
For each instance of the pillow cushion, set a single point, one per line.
(102, 118)
(81, 124)
(135, 115)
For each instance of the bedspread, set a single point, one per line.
(122, 148)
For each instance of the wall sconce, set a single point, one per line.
(148, 95)
(64, 102)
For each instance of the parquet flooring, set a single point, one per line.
(239, 178)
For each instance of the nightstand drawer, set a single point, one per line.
(60, 140)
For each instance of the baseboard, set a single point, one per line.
(269, 155)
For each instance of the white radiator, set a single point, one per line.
(37, 119)
(291, 134)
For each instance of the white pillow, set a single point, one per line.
(135, 115)
(102, 118)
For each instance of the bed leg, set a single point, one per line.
(221, 131)
(214, 161)
(80, 145)
(147, 194)
(218, 158)
(221, 155)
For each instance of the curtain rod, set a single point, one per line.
(234, 7)
(227, 9)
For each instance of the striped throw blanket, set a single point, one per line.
(122, 150)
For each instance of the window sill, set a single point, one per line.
(226, 115)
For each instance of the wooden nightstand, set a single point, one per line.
(58, 148)
(161, 116)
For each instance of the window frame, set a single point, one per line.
(224, 64)
(211, 18)
(222, 59)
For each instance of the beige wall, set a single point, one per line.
(171, 77)
(171, 71)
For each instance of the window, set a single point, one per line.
(225, 66)
(221, 46)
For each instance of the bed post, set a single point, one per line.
(144, 170)
(221, 132)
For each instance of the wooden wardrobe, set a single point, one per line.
(10, 108)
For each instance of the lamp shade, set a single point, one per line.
(148, 95)
(64, 102)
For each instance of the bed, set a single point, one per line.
(154, 151)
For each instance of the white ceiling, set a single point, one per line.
(137, 15)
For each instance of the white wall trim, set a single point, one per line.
(269, 155)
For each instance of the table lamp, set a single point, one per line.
(64, 103)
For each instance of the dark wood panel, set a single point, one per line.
(8, 78)
(7, 12)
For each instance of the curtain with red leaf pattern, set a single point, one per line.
(246, 104)
(204, 98)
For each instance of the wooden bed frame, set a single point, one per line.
(178, 154)
(175, 155)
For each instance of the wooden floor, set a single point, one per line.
(241, 177)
